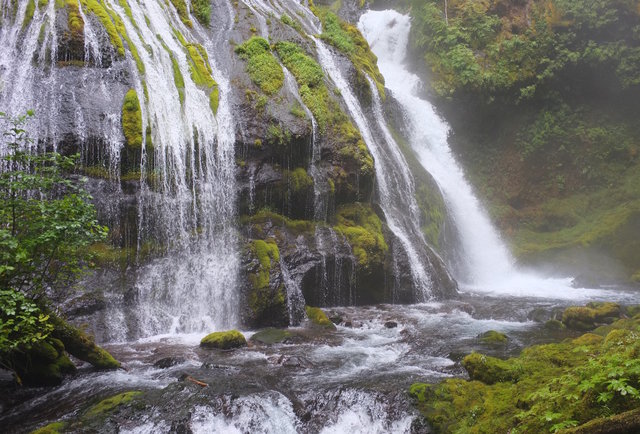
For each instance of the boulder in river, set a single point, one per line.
(224, 340)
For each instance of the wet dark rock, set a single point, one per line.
(291, 361)
(391, 324)
(86, 304)
(168, 362)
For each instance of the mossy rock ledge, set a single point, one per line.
(588, 317)
(225, 340)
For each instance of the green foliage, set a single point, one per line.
(333, 33)
(363, 229)
(132, 119)
(22, 323)
(46, 219)
(546, 389)
(202, 11)
(490, 49)
(262, 67)
(224, 340)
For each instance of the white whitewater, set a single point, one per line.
(486, 262)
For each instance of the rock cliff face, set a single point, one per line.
(215, 128)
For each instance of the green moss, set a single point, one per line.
(111, 404)
(363, 229)
(214, 99)
(262, 67)
(286, 19)
(348, 39)
(74, 19)
(585, 318)
(80, 345)
(319, 318)
(305, 69)
(493, 337)
(267, 253)
(224, 340)
(52, 428)
(132, 120)
(97, 8)
(28, 14)
(183, 13)
(545, 389)
(327, 112)
(297, 227)
(122, 31)
(299, 180)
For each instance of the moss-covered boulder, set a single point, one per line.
(81, 345)
(493, 337)
(224, 340)
(271, 336)
(488, 369)
(553, 324)
(587, 317)
(43, 364)
(318, 318)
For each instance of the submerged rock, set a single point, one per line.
(224, 340)
(391, 324)
(168, 362)
(271, 336)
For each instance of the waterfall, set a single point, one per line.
(185, 166)
(484, 261)
(393, 177)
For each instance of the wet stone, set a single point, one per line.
(391, 324)
(168, 362)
